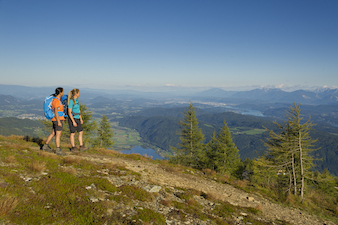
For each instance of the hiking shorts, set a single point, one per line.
(71, 126)
(56, 127)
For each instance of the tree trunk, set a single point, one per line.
(301, 165)
(294, 174)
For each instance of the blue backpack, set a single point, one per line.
(64, 101)
(47, 107)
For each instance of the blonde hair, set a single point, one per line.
(71, 95)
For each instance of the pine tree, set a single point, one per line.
(191, 147)
(211, 153)
(89, 126)
(228, 154)
(104, 133)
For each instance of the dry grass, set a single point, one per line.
(47, 155)
(70, 170)
(105, 151)
(14, 137)
(290, 199)
(191, 201)
(10, 159)
(225, 178)
(36, 166)
(171, 168)
(209, 172)
(212, 197)
(166, 202)
(241, 183)
(336, 210)
(7, 204)
(71, 160)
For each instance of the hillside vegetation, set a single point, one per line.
(101, 186)
(161, 125)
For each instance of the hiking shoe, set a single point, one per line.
(58, 151)
(83, 148)
(46, 148)
(74, 149)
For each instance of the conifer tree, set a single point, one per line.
(221, 153)
(191, 147)
(211, 153)
(303, 143)
(228, 154)
(290, 150)
(89, 126)
(104, 133)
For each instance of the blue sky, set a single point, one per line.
(169, 43)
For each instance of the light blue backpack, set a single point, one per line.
(47, 107)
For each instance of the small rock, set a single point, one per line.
(251, 199)
(93, 199)
(92, 186)
(155, 189)
(243, 214)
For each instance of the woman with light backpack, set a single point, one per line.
(57, 118)
(75, 119)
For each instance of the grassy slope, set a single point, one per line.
(38, 187)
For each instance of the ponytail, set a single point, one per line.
(71, 95)
(68, 98)
(58, 91)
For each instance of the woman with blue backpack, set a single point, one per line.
(75, 119)
(54, 104)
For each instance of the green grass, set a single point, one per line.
(61, 189)
(125, 137)
(246, 130)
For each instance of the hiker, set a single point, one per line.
(57, 121)
(75, 119)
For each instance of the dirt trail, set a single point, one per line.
(154, 173)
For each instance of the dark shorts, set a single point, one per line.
(72, 128)
(56, 127)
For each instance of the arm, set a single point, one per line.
(70, 109)
(56, 113)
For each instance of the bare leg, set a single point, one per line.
(81, 138)
(50, 137)
(72, 141)
(58, 138)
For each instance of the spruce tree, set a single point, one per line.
(211, 153)
(104, 133)
(190, 150)
(227, 152)
(89, 126)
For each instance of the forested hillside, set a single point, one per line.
(247, 132)
(15, 126)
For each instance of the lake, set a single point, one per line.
(142, 151)
(251, 112)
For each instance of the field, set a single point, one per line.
(246, 130)
(125, 137)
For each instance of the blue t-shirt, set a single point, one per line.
(75, 108)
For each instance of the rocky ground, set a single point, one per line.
(156, 178)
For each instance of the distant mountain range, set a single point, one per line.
(320, 96)
(266, 95)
